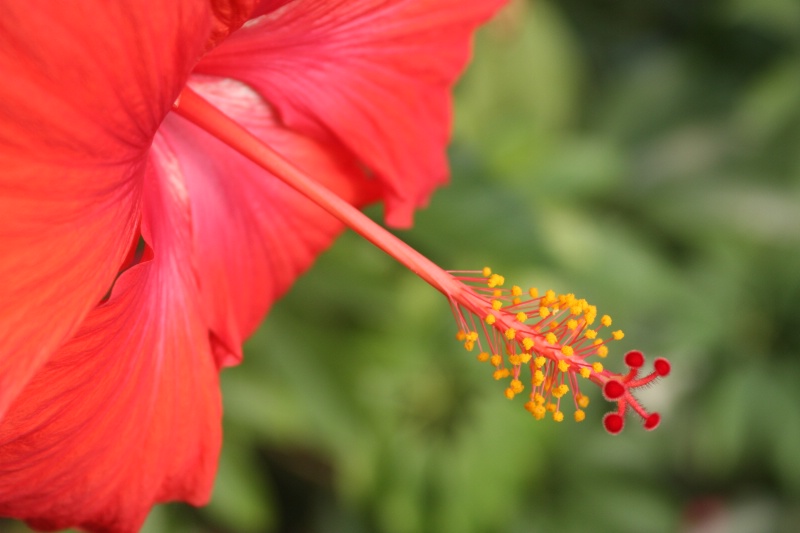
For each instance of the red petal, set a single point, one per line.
(253, 234)
(375, 74)
(85, 87)
(127, 413)
(229, 15)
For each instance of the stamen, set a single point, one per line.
(550, 334)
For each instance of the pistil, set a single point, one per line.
(553, 335)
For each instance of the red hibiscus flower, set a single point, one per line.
(137, 251)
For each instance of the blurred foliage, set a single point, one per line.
(643, 155)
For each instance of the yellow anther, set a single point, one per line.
(618, 334)
(517, 386)
(461, 335)
(539, 361)
(598, 342)
(590, 334)
(580, 416)
(497, 293)
(538, 378)
(602, 351)
(530, 406)
(511, 333)
(534, 292)
(496, 304)
(560, 391)
(496, 360)
(558, 416)
(515, 359)
(572, 324)
(495, 280)
(549, 297)
(509, 393)
(527, 343)
(586, 371)
(551, 407)
(538, 398)
(567, 350)
(544, 312)
(551, 338)
(487, 272)
(521, 317)
(576, 310)
(553, 325)
(483, 357)
(516, 290)
(606, 320)
(583, 401)
(516, 301)
(597, 367)
(469, 345)
(563, 365)
(538, 412)
(490, 319)
(472, 336)
(524, 358)
(501, 373)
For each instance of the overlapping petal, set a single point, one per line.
(374, 75)
(253, 234)
(127, 413)
(85, 88)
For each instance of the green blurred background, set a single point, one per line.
(643, 155)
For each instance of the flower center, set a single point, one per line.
(553, 335)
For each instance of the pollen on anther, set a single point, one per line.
(553, 335)
(527, 343)
(495, 280)
(501, 373)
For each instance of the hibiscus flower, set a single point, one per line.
(137, 251)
